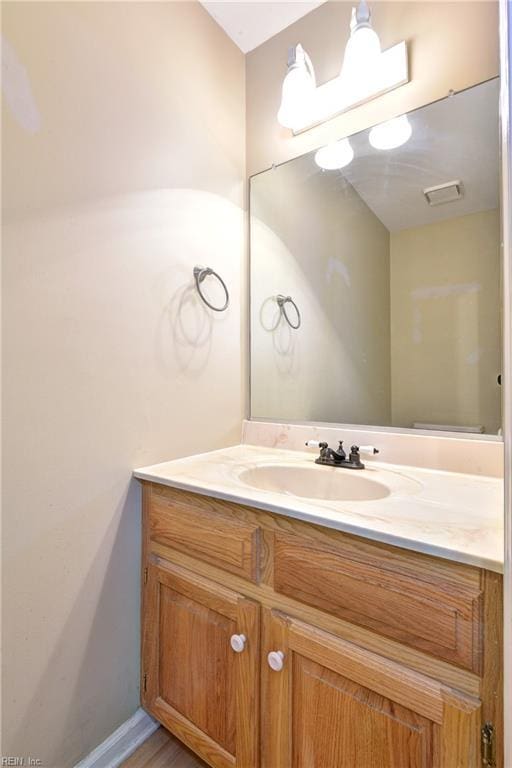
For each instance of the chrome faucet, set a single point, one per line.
(331, 458)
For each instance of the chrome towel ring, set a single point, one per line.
(200, 273)
(282, 301)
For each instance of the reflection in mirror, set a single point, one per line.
(393, 263)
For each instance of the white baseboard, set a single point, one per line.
(122, 743)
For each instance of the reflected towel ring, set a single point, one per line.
(282, 301)
(200, 273)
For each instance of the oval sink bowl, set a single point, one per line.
(315, 482)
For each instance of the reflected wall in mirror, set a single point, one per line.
(398, 288)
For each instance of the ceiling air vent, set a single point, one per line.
(444, 193)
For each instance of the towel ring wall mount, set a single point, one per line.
(200, 274)
(282, 301)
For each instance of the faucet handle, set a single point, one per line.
(368, 450)
(324, 449)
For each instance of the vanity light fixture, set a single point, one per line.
(334, 156)
(367, 72)
(391, 134)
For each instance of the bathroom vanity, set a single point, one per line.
(283, 631)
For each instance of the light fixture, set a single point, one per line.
(334, 156)
(298, 88)
(363, 48)
(367, 72)
(391, 134)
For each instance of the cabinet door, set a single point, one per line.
(201, 664)
(328, 703)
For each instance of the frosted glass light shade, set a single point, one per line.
(391, 134)
(362, 51)
(361, 54)
(298, 91)
(334, 156)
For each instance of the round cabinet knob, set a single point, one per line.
(238, 643)
(276, 660)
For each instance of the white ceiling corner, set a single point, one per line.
(250, 24)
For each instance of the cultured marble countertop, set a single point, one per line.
(455, 516)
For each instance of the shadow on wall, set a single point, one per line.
(283, 336)
(191, 324)
(102, 609)
(110, 362)
(334, 367)
(123, 167)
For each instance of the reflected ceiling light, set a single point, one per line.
(298, 88)
(391, 134)
(334, 156)
(363, 48)
(367, 72)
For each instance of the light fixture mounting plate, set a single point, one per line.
(335, 97)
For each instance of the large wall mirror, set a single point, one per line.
(375, 287)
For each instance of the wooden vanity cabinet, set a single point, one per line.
(194, 683)
(270, 642)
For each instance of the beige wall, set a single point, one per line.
(446, 323)
(313, 237)
(452, 45)
(123, 166)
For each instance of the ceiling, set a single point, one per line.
(452, 139)
(250, 24)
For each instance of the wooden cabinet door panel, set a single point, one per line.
(335, 705)
(337, 722)
(195, 683)
(194, 648)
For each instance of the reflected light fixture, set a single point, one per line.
(298, 88)
(366, 73)
(334, 156)
(391, 134)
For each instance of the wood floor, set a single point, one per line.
(162, 750)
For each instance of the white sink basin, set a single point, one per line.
(314, 482)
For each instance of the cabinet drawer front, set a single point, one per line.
(380, 589)
(205, 528)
